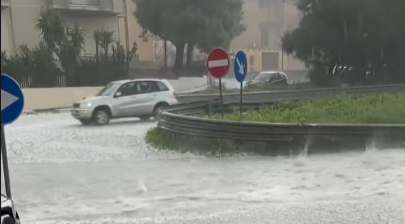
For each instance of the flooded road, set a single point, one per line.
(63, 172)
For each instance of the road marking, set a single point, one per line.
(218, 63)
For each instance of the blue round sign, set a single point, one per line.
(240, 66)
(12, 100)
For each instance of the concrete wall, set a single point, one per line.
(49, 98)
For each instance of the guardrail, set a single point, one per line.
(179, 119)
(277, 96)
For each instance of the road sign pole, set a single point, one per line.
(220, 97)
(241, 99)
(240, 71)
(5, 162)
(218, 67)
(12, 105)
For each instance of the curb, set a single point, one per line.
(46, 111)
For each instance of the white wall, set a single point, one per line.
(50, 98)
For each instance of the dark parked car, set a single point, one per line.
(272, 77)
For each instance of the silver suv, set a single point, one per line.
(142, 98)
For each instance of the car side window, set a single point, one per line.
(162, 86)
(143, 87)
(128, 89)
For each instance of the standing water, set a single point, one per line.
(67, 173)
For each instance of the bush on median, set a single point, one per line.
(372, 109)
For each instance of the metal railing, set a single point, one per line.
(182, 119)
(277, 96)
(84, 2)
(83, 5)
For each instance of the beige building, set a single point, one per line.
(146, 50)
(266, 21)
(18, 19)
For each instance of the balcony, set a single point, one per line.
(5, 4)
(88, 6)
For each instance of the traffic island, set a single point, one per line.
(375, 109)
(298, 145)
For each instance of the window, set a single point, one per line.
(264, 36)
(109, 89)
(251, 63)
(265, 76)
(146, 87)
(128, 89)
(162, 86)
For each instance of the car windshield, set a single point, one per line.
(109, 89)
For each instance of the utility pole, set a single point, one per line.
(283, 32)
(126, 32)
(165, 52)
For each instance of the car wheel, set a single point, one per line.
(101, 117)
(158, 109)
(85, 122)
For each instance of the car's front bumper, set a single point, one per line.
(81, 114)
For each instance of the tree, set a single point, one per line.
(65, 42)
(205, 24)
(103, 38)
(97, 40)
(222, 23)
(363, 41)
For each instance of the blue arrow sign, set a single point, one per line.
(240, 66)
(12, 100)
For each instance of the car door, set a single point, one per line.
(125, 99)
(146, 93)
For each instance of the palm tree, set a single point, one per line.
(103, 38)
(67, 44)
(106, 39)
(51, 27)
(71, 48)
(97, 39)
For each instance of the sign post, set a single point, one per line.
(12, 105)
(240, 70)
(218, 67)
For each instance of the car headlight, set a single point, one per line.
(88, 104)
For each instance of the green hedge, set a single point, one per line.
(373, 109)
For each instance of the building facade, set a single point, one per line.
(146, 50)
(18, 19)
(266, 21)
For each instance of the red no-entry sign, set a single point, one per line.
(218, 63)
